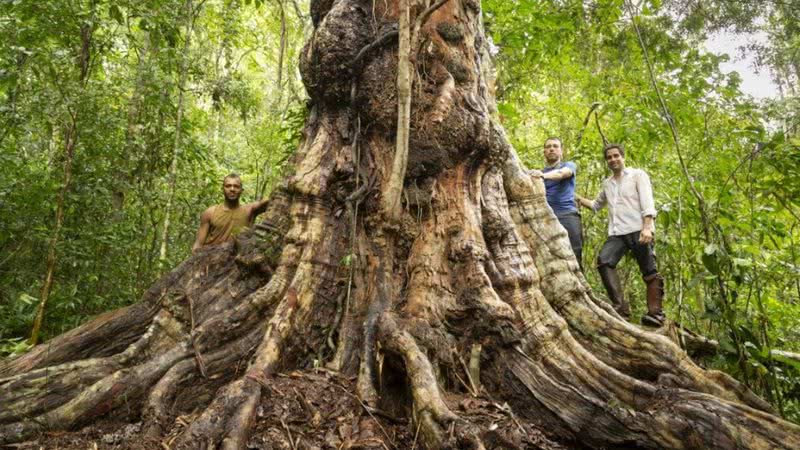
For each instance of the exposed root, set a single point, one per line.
(156, 411)
(429, 408)
(621, 348)
(67, 381)
(228, 420)
(114, 331)
(627, 348)
(178, 330)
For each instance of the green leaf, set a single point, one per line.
(710, 259)
(786, 358)
(742, 262)
(28, 299)
(116, 14)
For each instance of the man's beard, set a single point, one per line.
(553, 163)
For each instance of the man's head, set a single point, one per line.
(615, 157)
(552, 150)
(232, 187)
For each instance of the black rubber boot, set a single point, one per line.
(614, 289)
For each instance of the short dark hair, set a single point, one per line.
(611, 145)
(554, 138)
(232, 175)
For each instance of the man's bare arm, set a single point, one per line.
(560, 174)
(257, 208)
(202, 232)
(583, 201)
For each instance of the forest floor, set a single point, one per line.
(311, 410)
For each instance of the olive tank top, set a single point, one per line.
(226, 224)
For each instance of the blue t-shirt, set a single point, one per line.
(561, 193)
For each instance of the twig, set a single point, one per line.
(463, 383)
(289, 433)
(506, 408)
(473, 388)
(600, 130)
(755, 152)
(594, 106)
(416, 435)
(297, 11)
(785, 204)
(369, 411)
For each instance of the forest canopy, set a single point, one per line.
(118, 120)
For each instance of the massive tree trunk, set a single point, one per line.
(472, 291)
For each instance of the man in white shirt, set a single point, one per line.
(631, 225)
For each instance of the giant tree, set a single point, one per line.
(472, 265)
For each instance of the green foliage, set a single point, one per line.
(10, 348)
(236, 118)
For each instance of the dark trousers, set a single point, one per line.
(617, 246)
(571, 221)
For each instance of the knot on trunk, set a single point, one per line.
(472, 319)
(326, 59)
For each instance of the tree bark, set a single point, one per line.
(475, 260)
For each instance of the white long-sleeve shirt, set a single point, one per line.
(629, 200)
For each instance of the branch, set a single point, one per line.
(594, 106)
(755, 152)
(300, 15)
(600, 130)
(356, 63)
(785, 204)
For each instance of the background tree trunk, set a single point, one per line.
(191, 13)
(70, 142)
(70, 138)
(474, 268)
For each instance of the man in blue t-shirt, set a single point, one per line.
(559, 181)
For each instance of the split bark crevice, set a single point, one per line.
(474, 260)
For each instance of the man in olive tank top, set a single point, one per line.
(221, 223)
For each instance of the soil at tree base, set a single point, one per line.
(316, 408)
